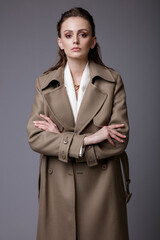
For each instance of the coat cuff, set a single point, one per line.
(90, 156)
(76, 145)
(64, 146)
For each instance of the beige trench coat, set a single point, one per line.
(80, 198)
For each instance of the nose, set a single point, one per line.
(75, 39)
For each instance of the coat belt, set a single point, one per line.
(125, 167)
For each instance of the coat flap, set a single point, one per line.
(60, 107)
(92, 101)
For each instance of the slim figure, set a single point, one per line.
(79, 125)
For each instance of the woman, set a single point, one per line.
(79, 125)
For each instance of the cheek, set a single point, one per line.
(66, 48)
(87, 44)
(66, 44)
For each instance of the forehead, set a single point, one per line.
(75, 23)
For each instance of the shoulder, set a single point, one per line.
(113, 72)
(106, 73)
(53, 76)
(41, 79)
(116, 76)
(113, 77)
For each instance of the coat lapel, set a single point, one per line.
(93, 98)
(60, 106)
(58, 101)
(91, 103)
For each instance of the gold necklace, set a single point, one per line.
(76, 87)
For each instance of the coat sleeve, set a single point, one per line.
(119, 115)
(63, 145)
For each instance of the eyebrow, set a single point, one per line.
(83, 29)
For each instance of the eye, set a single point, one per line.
(83, 35)
(68, 35)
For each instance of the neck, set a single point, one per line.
(77, 68)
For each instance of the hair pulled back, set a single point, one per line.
(94, 54)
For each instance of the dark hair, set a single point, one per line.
(94, 54)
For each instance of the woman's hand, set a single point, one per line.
(106, 132)
(46, 125)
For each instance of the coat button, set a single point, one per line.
(50, 170)
(65, 140)
(104, 166)
(63, 155)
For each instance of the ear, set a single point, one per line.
(59, 41)
(94, 41)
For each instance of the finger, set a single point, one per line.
(116, 126)
(43, 123)
(118, 134)
(42, 127)
(39, 122)
(46, 126)
(116, 138)
(111, 141)
(47, 119)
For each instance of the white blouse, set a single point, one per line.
(68, 82)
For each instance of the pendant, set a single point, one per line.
(76, 87)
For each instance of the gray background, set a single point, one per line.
(129, 35)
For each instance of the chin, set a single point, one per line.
(78, 56)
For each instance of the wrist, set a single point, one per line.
(88, 140)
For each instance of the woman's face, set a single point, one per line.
(76, 38)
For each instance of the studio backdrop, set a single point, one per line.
(128, 33)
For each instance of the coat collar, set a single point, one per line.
(92, 101)
(96, 70)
